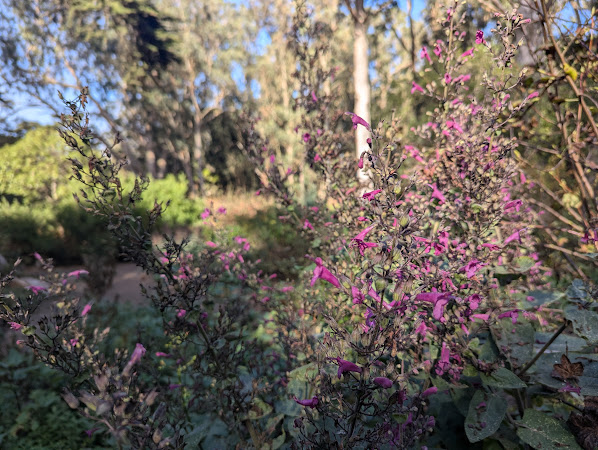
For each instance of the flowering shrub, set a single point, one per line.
(420, 318)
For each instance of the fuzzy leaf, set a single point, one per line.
(485, 415)
(541, 431)
(503, 378)
(585, 323)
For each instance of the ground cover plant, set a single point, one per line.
(422, 315)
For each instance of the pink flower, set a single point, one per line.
(205, 214)
(472, 267)
(162, 355)
(15, 326)
(135, 358)
(513, 204)
(307, 225)
(512, 314)
(360, 163)
(416, 87)
(321, 272)
(429, 391)
(77, 273)
(91, 431)
(437, 50)
(371, 195)
(172, 387)
(447, 78)
(317, 158)
(73, 342)
(313, 96)
(533, 95)
(483, 317)
(310, 402)
(211, 244)
(424, 55)
(516, 236)
(86, 310)
(221, 210)
(437, 194)
(357, 120)
(38, 257)
(491, 247)
(358, 297)
(306, 137)
(479, 37)
(347, 366)
(569, 388)
(36, 289)
(444, 363)
(383, 382)
(467, 53)
(181, 313)
(360, 244)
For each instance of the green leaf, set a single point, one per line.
(577, 291)
(541, 431)
(502, 378)
(542, 298)
(484, 420)
(259, 409)
(585, 322)
(523, 263)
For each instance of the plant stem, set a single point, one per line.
(543, 349)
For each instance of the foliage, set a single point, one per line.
(421, 293)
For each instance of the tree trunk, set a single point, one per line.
(198, 155)
(361, 80)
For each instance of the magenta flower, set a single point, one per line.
(91, 431)
(416, 87)
(135, 358)
(429, 391)
(73, 342)
(36, 289)
(437, 194)
(357, 120)
(513, 204)
(479, 37)
(163, 355)
(491, 247)
(15, 326)
(512, 314)
(86, 310)
(467, 53)
(472, 267)
(444, 363)
(447, 78)
(306, 137)
(181, 313)
(77, 273)
(422, 329)
(360, 244)
(211, 244)
(205, 214)
(360, 163)
(172, 387)
(437, 50)
(307, 225)
(425, 55)
(321, 272)
(533, 95)
(516, 236)
(570, 388)
(221, 210)
(310, 402)
(383, 382)
(371, 195)
(38, 257)
(313, 96)
(483, 317)
(358, 297)
(347, 366)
